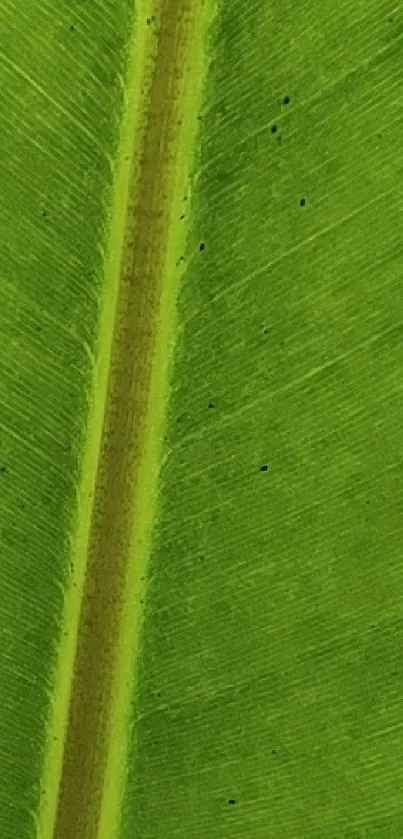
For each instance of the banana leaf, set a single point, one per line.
(201, 397)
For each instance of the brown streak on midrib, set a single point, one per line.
(86, 745)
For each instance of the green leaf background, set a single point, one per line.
(258, 683)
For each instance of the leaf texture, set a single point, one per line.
(200, 436)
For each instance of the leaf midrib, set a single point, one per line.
(117, 555)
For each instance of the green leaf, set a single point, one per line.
(200, 420)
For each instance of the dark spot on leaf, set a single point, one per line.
(3, 468)
(232, 801)
(273, 751)
(148, 21)
(265, 331)
(182, 216)
(158, 693)
(211, 405)
(281, 342)
(273, 129)
(72, 28)
(286, 100)
(302, 202)
(45, 213)
(201, 246)
(264, 468)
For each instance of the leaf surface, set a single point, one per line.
(200, 436)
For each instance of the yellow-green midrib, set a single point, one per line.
(115, 570)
